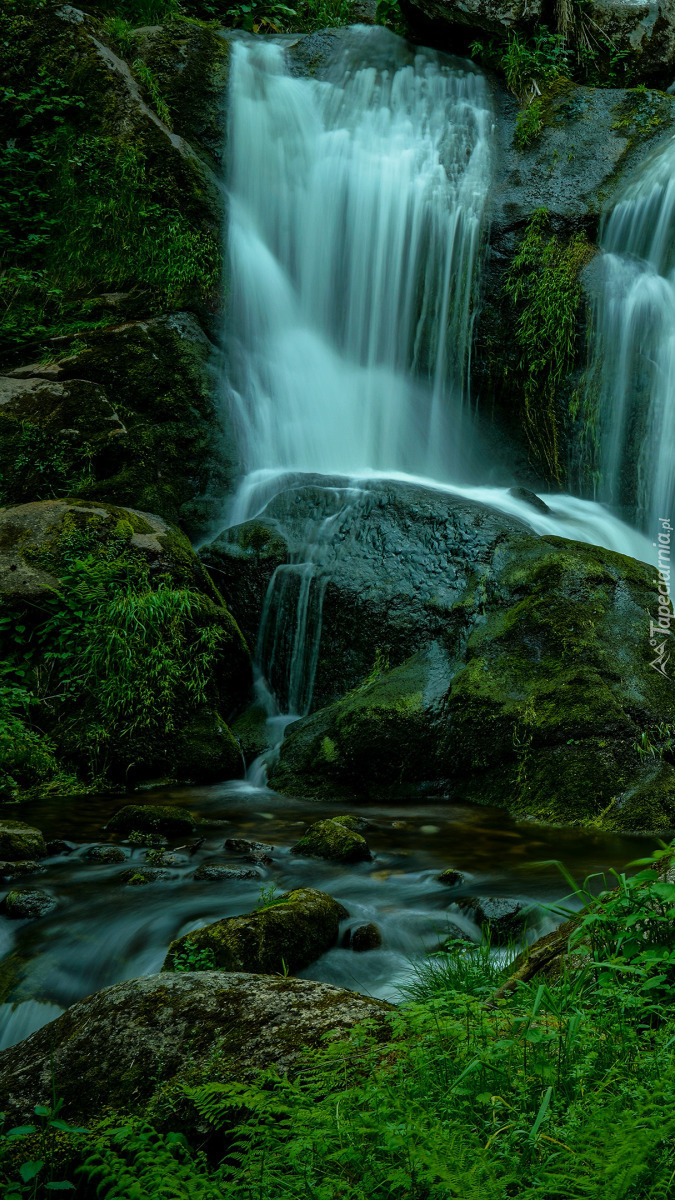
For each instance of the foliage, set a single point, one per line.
(116, 660)
(543, 284)
(529, 65)
(390, 14)
(564, 1090)
(190, 957)
(36, 1176)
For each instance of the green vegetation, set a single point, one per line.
(560, 1088)
(543, 284)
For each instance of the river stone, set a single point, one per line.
(153, 818)
(27, 904)
(366, 937)
(14, 870)
(245, 846)
(140, 876)
(287, 935)
(213, 872)
(333, 839)
(512, 670)
(166, 1028)
(106, 854)
(19, 841)
(506, 918)
(450, 877)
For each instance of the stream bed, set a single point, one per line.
(103, 930)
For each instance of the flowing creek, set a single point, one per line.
(103, 930)
(357, 205)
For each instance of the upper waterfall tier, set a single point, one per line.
(355, 221)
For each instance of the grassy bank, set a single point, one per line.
(561, 1089)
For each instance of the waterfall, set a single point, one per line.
(356, 206)
(632, 377)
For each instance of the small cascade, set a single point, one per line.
(632, 376)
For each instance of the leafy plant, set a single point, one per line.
(36, 1176)
(194, 958)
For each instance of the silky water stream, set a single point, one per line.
(357, 204)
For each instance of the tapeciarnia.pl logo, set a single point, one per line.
(660, 629)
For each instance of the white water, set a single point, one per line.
(357, 208)
(634, 361)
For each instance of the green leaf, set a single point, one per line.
(29, 1170)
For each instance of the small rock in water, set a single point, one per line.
(400, 825)
(244, 846)
(14, 870)
(507, 918)
(139, 876)
(333, 839)
(365, 937)
(214, 871)
(528, 497)
(60, 847)
(106, 854)
(450, 877)
(430, 829)
(22, 905)
(155, 818)
(259, 858)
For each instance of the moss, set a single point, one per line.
(332, 839)
(288, 935)
(20, 841)
(156, 818)
(543, 284)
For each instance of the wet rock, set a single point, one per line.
(506, 918)
(533, 696)
(289, 934)
(106, 854)
(24, 904)
(216, 871)
(483, 16)
(140, 876)
(19, 842)
(450, 877)
(245, 846)
(366, 937)
(14, 870)
(169, 1028)
(153, 818)
(58, 846)
(333, 839)
(253, 732)
(521, 493)
(260, 858)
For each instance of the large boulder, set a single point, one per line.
(512, 670)
(113, 1050)
(286, 935)
(333, 839)
(20, 842)
(91, 566)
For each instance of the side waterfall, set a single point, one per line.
(632, 379)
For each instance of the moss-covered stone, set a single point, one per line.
(284, 936)
(27, 904)
(19, 841)
(153, 818)
(333, 839)
(164, 1030)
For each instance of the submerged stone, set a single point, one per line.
(366, 937)
(286, 935)
(216, 871)
(106, 854)
(450, 877)
(153, 818)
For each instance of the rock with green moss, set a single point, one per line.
(106, 854)
(127, 415)
(505, 918)
(150, 661)
(27, 904)
(450, 877)
(284, 936)
(19, 841)
(333, 839)
(531, 686)
(149, 1036)
(153, 818)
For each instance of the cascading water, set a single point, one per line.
(632, 378)
(355, 220)
(357, 205)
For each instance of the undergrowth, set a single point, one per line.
(563, 1090)
(543, 285)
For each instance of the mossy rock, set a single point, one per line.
(252, 732)
(164, 1030)
(153, 818)
(333, 839)
(19, 841)
(27, 904)
(287, 935)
